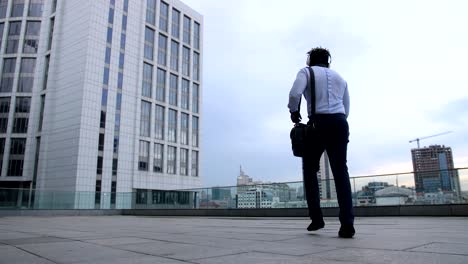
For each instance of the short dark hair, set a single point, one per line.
(319, 56)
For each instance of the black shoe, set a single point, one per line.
(346, 231)
(314, 226)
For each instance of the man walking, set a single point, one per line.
(330, 120)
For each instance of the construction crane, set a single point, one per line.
(436, 135)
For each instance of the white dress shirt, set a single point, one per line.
(331, 92)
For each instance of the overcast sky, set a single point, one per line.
(405, 63)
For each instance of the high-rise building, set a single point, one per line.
(326, 179)
(434, 170)
(100, 98)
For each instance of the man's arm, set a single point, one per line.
(346, 100)
(297, 90)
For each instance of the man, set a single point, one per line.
(331, 112)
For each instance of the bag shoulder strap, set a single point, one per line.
(311, 84)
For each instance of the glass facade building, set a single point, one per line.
(95, 97)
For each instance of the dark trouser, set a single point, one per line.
(332, 136)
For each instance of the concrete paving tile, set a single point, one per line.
(137, 260)
(447, 248)
(9, 254)
(15, 235)
(177, 250)
(372, 256)
(71, 252)
(267, 258)
(359, 241)
(289, 249)
(34, 240)
(117, 241)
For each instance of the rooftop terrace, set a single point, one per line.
(144, 239)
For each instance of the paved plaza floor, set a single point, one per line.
(137, 239)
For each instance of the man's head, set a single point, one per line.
(319, 57)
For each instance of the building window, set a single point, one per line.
(158, 158)
(99, 165)
(8, 74)
(110, 19)
(173, 87)
(161, 85)
(172, 126)
(116, 144)
(3, 124)
(2, 27)
(162, 49)
(143, 158)
(151, 12)
(171, 160)
(196, 36)
(41, 113)
(186, 36)
(3, 8)
(195, 131)
(105, 77)
(20, 125)
(108, 55)
(195, 97)
(17, 150)
(163, 16)
(186, 61)
(184, 127)
(124, 23)
(115, 164)
(101, 142)
(31, 40)
(35, 8)
(17, 8)
(102, 121)
(26, 77)
(175, 30)
(2, 149)
(183, 161)
(147, 80)
(174, 56)
(194, 163)
(159, 122)
(109, 35)
(46, 72)
(145, 119)
(149, 43)
(23, 104)
(104, 97)
(20, 122)
(14, 31)
(51, 33)
(54, 6)
(4, 110)
(121, 60)
(184, 97)
(196, 66)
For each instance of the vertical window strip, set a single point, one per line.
(173, 89)
(159, 123)
(185, 94)
(163, 16)
(104, 96)
(162, 49)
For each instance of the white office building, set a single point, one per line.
(100, 99)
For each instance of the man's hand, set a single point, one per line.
(296, 117)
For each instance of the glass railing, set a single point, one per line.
(421, 188)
